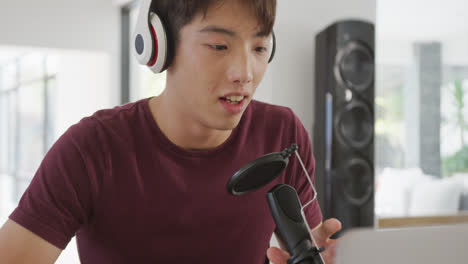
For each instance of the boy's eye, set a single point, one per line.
(224, 47)
(219, 47)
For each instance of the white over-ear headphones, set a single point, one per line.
(150, 40)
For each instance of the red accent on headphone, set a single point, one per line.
(155, 57)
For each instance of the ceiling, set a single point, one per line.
(401, 23)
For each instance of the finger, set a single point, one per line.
(277, 256)
(327, 229)
(330, 252)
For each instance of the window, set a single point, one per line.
(421, 113)
(41, 95)
(26, 130)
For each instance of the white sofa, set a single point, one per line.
(410, 192)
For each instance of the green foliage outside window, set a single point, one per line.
(457, 162)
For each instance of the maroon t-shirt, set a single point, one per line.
(131, 196)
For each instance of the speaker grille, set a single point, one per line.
(355, 125)
(357, 185)
(355, 66)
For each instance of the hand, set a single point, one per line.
(322, 234)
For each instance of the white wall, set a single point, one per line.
(289, 80)
(87, 25)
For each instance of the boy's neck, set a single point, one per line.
(183, 132)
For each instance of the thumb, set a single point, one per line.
(327, 229)
(277, 256)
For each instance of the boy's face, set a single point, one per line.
(219, 56)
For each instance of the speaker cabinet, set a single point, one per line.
(344, 122)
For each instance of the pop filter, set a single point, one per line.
(259, 172)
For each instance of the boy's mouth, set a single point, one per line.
(233, 104)
(233, 99)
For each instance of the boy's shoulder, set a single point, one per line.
(120, 112)
(115, 121)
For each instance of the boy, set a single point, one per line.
(146, 182)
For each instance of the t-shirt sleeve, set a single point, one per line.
(58, 200)
(299, 178)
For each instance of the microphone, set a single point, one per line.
(292, 230)
(283, 201)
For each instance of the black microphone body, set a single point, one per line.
(291, 229)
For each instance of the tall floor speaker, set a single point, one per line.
(344, 122)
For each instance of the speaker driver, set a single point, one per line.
(357, 185)
(355, 125)
(354, 66)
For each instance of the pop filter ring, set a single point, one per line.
(244, 173)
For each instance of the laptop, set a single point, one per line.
(426, 245)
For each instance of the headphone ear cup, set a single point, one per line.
(273, 47)
(158, 61)
(142, 37)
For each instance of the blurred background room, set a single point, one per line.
(63, 60)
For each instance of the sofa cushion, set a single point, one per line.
(436, 197)
(394, 188)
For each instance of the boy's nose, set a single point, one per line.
(240, 70)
